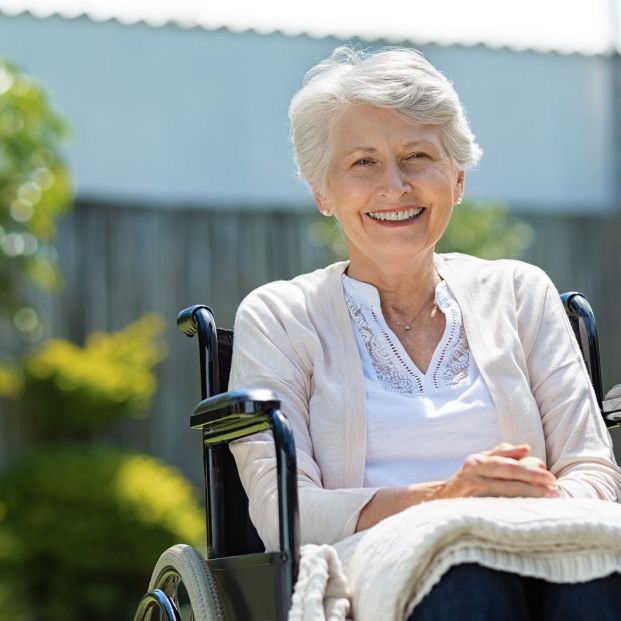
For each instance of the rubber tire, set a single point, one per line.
(197, 578)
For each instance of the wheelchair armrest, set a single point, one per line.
(237, 414)
(234, 414)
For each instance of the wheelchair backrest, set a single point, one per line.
(240, 535)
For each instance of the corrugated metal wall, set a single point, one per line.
(122, 262)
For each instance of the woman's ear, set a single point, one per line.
(322, 204)
(459, 188)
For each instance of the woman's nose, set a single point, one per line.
(395, 181)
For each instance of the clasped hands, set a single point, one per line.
(506, 470)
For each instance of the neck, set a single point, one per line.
(403, 286)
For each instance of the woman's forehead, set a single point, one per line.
(360, 127)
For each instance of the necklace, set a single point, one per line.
(408, 325)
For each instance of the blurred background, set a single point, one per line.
(145, 166)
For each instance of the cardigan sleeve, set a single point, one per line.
(273, 349)
(578, 446)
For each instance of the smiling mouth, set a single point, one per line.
(395, 216)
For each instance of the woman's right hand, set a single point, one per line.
(506, 470)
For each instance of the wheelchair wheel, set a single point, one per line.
(182, 577)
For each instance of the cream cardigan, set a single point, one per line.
(295, 337)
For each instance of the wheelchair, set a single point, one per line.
(239, 581)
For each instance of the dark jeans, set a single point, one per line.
(470, 592)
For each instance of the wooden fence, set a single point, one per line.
(121, 262)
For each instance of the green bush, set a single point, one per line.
(80, 530)
(71, 392)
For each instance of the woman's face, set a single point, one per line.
(390, 184)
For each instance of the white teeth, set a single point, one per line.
(395, 215)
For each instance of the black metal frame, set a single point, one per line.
(229, 416)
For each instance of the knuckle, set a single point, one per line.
(503, 446)
(534, 462)
(513, 468)
(469, 465)
(473, 460)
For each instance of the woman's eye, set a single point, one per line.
(416, 156)
(363, 162)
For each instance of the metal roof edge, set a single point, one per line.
(290, 33)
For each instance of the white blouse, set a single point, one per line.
(421, 426)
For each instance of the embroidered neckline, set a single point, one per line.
(394, 369)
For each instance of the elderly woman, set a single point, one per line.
(410, 376)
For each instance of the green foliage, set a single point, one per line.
(483, 230)
(11, 381)
(35, 189)
(80, 531)
(71, 392)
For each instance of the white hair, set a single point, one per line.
(399, 79)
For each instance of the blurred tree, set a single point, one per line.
(110, 377)
(485, 230)
(35, 189)
(82, 528)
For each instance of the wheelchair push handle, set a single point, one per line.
(198, 319)
(582, 319)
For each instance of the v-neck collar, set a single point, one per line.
(366, 295)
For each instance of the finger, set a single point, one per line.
(533, 461)
(504, 446)
(509, 450)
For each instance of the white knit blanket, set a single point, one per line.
(389, 568)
